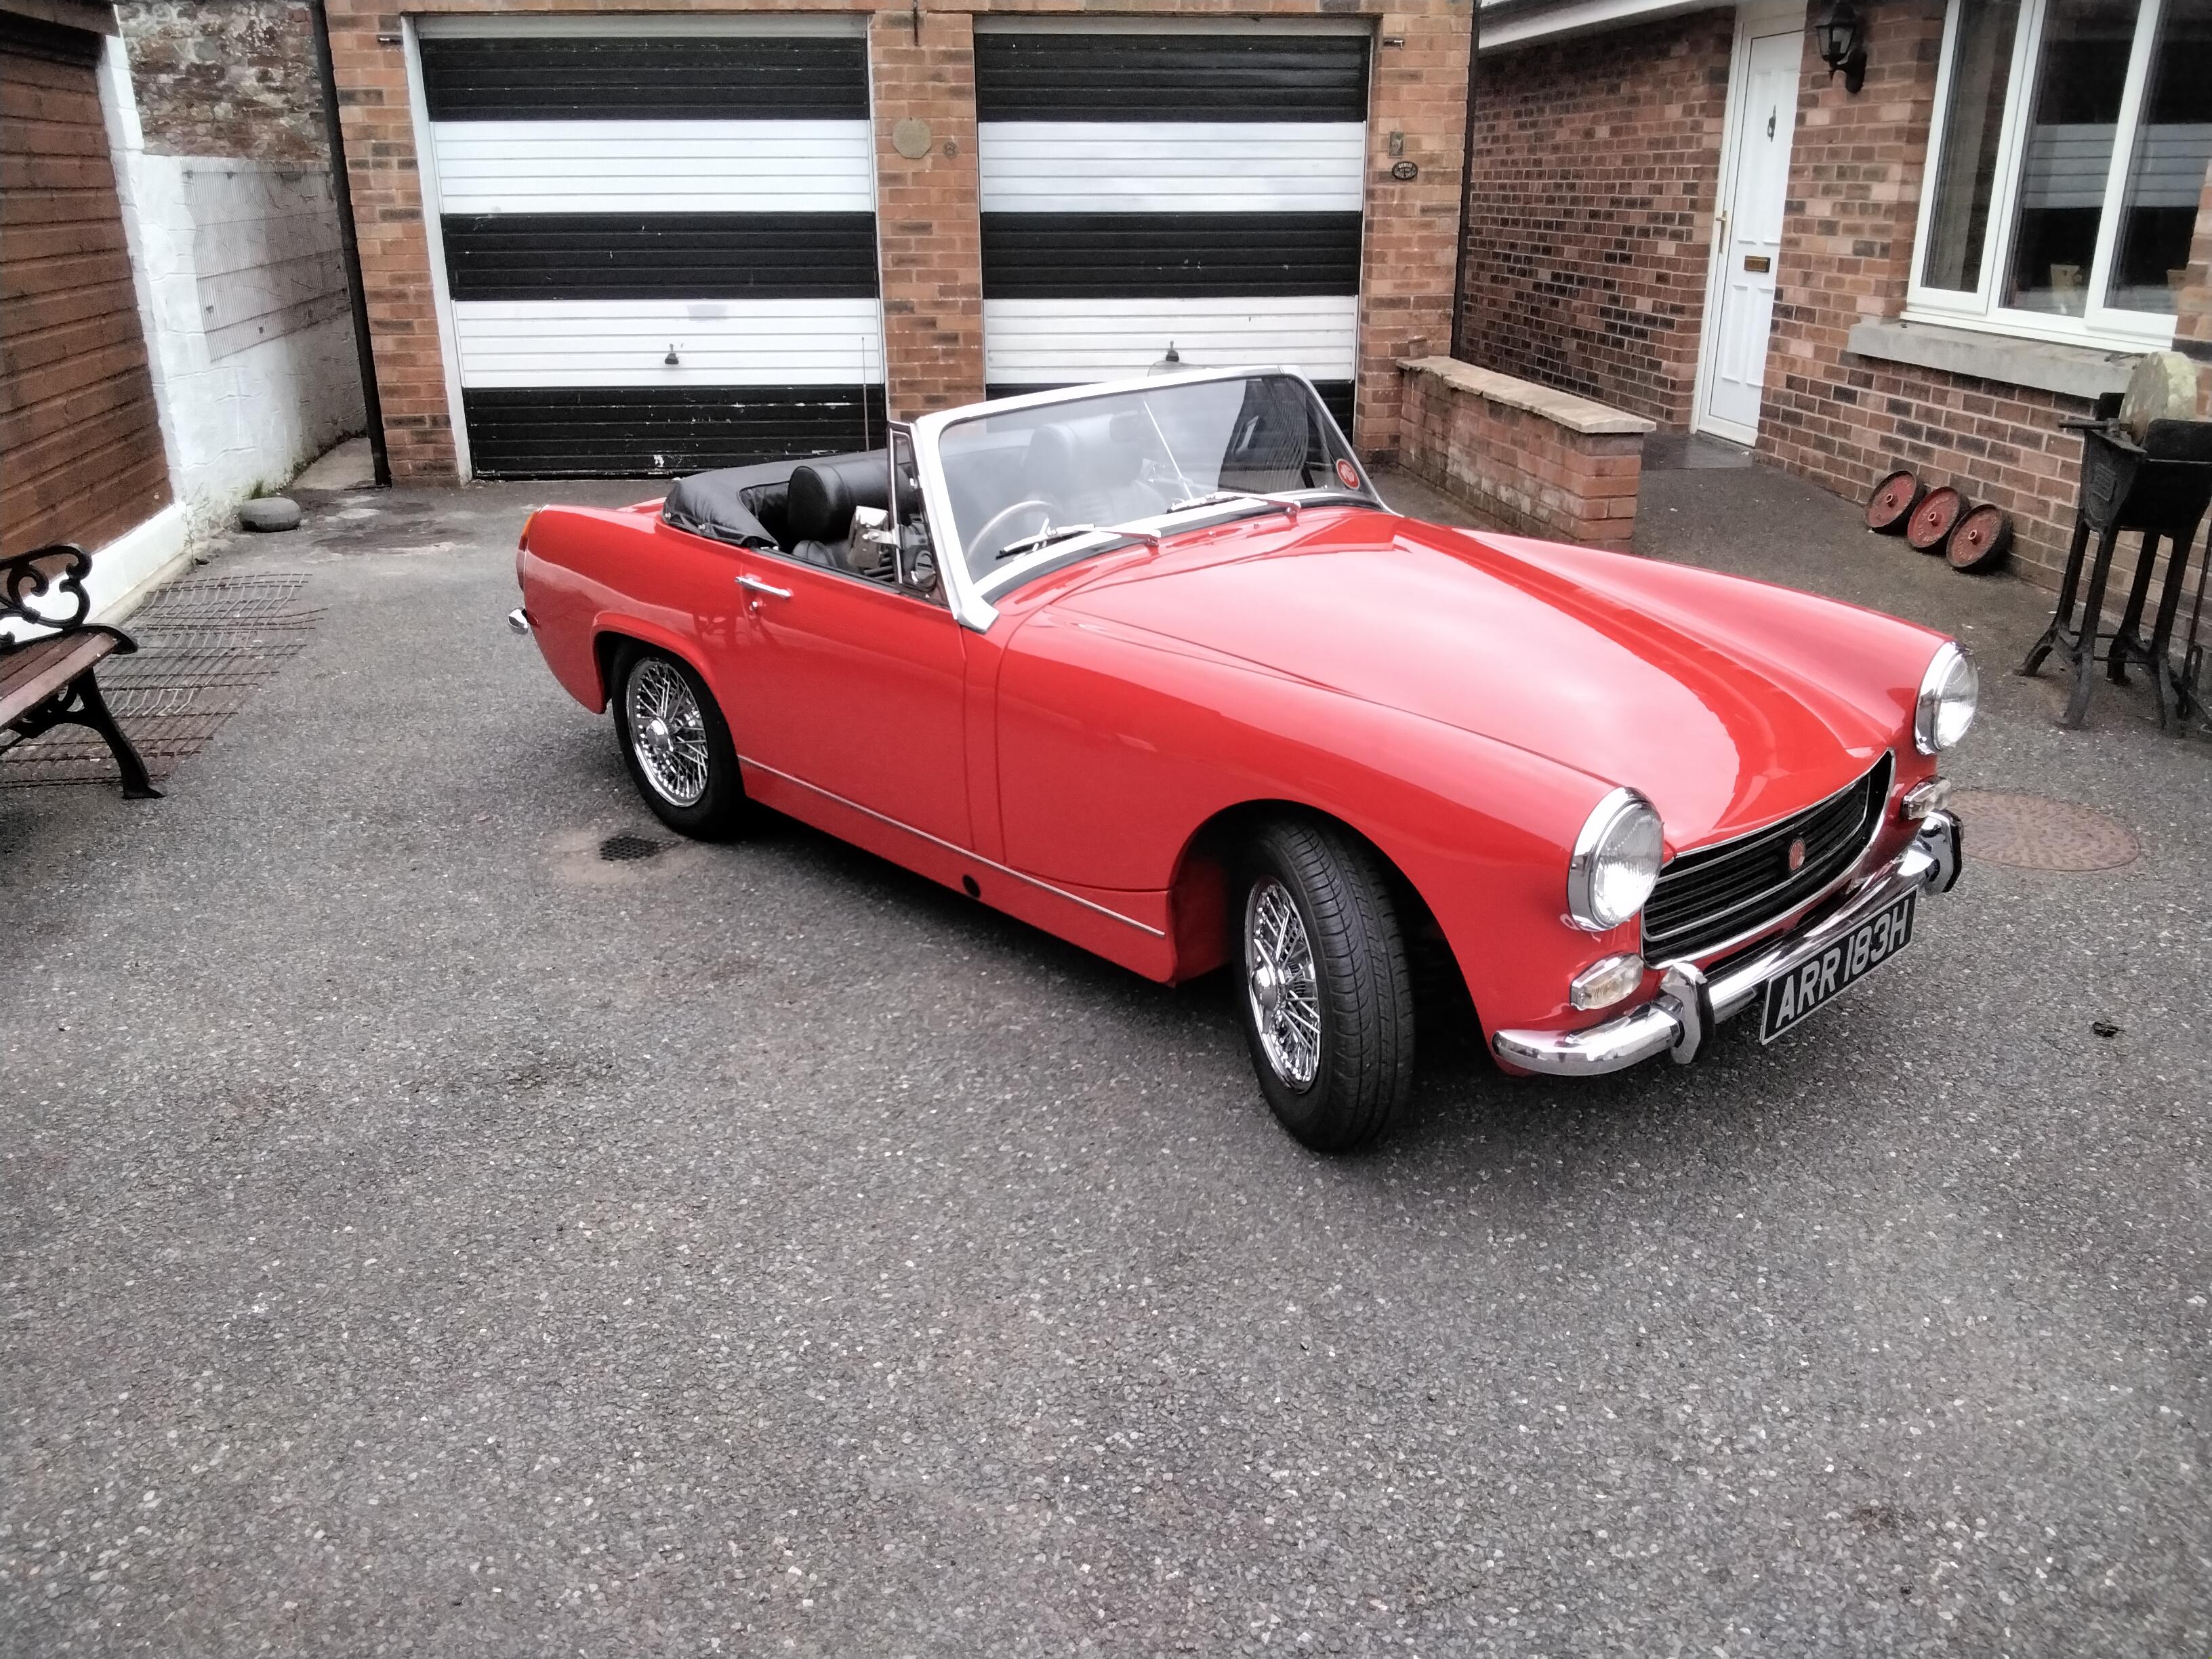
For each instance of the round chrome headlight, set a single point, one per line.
(1616, 863)
(1949, 691)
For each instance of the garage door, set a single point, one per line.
(660, 249)
(1144, 189)
(81, 456)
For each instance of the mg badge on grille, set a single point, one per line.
(1797, 855)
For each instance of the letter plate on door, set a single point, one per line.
(1758, 262)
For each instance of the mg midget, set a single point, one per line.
(1152, 666)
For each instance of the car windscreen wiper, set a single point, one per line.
(1215, 498)
(1044, 538)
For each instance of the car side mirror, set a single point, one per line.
(873, 525)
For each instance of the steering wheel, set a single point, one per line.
(982, 538)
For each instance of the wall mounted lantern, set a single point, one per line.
(1840, 39)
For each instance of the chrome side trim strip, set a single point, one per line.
(1679, 1019)
(951, 847)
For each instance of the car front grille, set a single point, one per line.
(1714, 894)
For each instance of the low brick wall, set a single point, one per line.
(1547, 463)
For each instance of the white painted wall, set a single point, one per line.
(241, 291)
(251, 337)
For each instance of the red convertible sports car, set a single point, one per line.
(1151, 666)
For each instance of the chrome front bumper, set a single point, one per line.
(1689, 1004)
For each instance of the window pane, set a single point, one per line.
(2173, 147)
(2081, 70)
(1974, 121)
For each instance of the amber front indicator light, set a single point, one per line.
(1929, 795)
(1606, 982)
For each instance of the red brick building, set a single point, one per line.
(624, 235)
(1678, 211)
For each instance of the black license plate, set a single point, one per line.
(1791, 996)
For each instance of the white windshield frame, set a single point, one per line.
(970, 600)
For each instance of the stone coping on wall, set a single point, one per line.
(1563, 409)
(2070, 371)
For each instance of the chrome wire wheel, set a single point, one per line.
(1280, 981)
(667, 732)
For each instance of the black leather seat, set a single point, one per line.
(1094, 486)
(819, 505)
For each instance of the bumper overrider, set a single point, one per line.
(1689, 1004)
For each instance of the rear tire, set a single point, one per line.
(676, 745)
(1323, 989)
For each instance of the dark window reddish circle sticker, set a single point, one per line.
(1349, 473)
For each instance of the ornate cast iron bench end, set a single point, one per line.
(47, 678)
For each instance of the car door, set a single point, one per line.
(852, 688)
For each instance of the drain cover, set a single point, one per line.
(627, 849)
(2034, 832)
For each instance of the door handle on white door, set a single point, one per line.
(755, 585)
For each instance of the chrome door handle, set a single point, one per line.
(755, 585)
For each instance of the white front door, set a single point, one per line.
(1739, 308)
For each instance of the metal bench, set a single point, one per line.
(46, 678)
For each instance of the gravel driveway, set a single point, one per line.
(423, 1235)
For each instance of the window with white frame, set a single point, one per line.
(2071, 141)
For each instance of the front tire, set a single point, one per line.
(676, 745)
(1324, 992)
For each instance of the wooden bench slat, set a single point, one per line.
(30, 674)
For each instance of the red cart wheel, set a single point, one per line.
(1931, 522)
(1892, 501)
(1981, 540)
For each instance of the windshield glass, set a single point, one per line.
(1022, 481)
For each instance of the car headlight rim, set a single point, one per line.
(1615, 862)
(1950, 694)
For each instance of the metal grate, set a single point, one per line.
(1711, 895)
(204, 644)
(627, 849)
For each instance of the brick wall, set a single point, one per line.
(236, 79)
(1545, 462)
(2192, 330)
(927, 222)
(1411, 248)
(395, 253)
(1843, 420)
(927, 213)
(1597, 165)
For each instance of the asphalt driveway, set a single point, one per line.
(425, 1235)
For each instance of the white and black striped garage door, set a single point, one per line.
(1144, 189)
(660, 249)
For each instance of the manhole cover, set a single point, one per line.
(2034, 832)
(627, 849)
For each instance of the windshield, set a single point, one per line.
(1025, 480)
